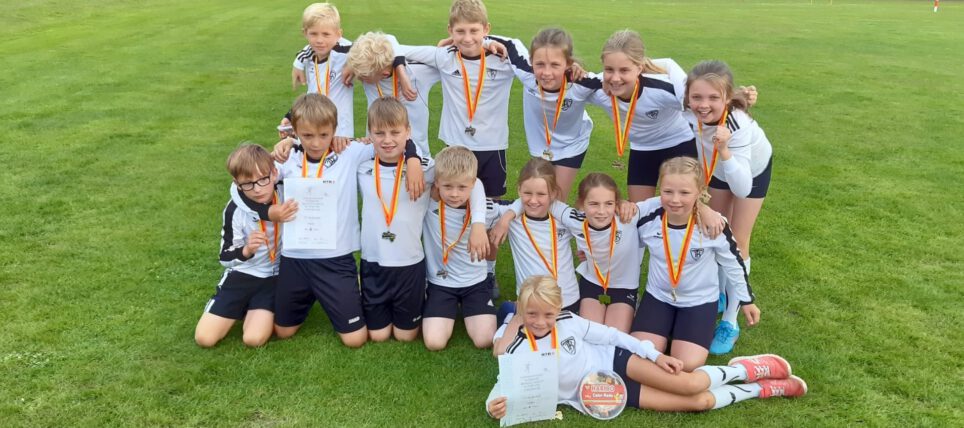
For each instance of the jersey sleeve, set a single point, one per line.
(568, 216)
(737, 169)
(729, 259)
(478, 203)
(518, 57)
(676, 76)
(421, 54)
(600, 334)
(302, 58)
(232, 237)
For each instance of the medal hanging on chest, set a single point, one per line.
(447, 248)
(604, 298)
(273, 249)
(554, 267)
(472, 103)
(378, 86)
(622, 130)
(547, 153)
(676, 270)
(709, 168)
(388, 212)
(327, 77)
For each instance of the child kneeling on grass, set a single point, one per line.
(653, 380)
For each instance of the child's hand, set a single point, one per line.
(339, 144)
(284, 212)
(752, 314)
(284, 122)
(498, 49)
(607, 88)
(282, 149)
(414, 178)
(255, 240)
(408, 91)
(711, 222)
(626, 211)
(500, 231)
(581, 255)
(669, 364)
(749, 92)
(496, 407)
(297, 78)
(445, 42)
(478, 242)
(347, 75)
(576, 72)
(720, 140)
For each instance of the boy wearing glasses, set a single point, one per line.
(249, 253)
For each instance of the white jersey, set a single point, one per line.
(331, 86)
(699, 281)
(570, 136)
(528, 262)
(658, 121)
(584, 346)
(341, 168)
(399, 244)
(460, 271)
(489, 128)
(423, 78)
(239, 221)
(749, 146)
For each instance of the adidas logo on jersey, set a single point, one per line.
(456, 73)
(569, 345)
(652, 114)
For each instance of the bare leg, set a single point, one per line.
(565, 176)
(436, 332)
(721, 201)
(592, 310)
(285, 332)
(258, 326)
(620, 316)
(691, 354)
(640, 193)
(355, 339)
(662, 401)
(649, 374)
(745, 212)
(211, 329)
(481, 328)
(381, 334)
(659, 342)
(405, 335)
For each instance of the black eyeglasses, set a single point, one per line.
(261, 182)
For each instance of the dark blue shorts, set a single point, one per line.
(491, 171)
(694, 324)
(590, 290)
(239, 293)
(761, 183)
(621, 366)
(444, 302)
(573, 162)
(644, 164)
(332, 282)
(392, 295)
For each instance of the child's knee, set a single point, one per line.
(285, 332)
(435, 343)
(704, 401)
(482, 343)
(355, 339)
(206, 340)
(255, 340)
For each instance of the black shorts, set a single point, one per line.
(573, 162)
(491, 171)
(332, 282)
(239, 293)
(621, 366)
(588, 290)
(574, 308)
(444, 302)
(761, 183)
(393, 295)
(694, 324)
(644, 164)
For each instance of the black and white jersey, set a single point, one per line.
(239, 221)
(332, 86)
(658, 121)
(583, 346)
(527, 260)
(460, 271)
(570, 137)
(489, 128)
(342, 169)
(749, 146)
(699, 281)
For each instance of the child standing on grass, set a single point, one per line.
(249, 253)
(653, 380)
(682, 284)
(737, 159)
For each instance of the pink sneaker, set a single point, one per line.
(764, 366)
(789, 387)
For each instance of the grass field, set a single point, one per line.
(117, 117)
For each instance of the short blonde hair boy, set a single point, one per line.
(468, 11)
(387, 112)
(371, 54)
(314, 109)
(542, 288)
(248, 161)
(320, 13)
(455, 163)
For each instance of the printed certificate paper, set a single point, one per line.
(316, 223)
(530, 382)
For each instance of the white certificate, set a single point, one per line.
(530, 383)
(316, 224)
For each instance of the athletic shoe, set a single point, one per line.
(495, 286)
(721, 304)
(789, 387)
(506, 309)
(764, 366)
(724, 338)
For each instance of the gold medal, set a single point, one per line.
(471, 103)
(388, 236)
(388, 212)
(547, 155)
(603, 280)
(676, 270)
(622, 133)
(605, 299)
(618, 164)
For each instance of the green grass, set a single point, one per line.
(117, 117)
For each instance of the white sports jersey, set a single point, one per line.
(658, 121)
(423, 78)
(332, 87)
(570, 137)
(583, 346)
(699, 281)
(491, 120)
(460, 271)
(342, 168)
(526, 258)
(239, 221)
(748, 145)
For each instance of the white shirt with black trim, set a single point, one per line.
(239, 221)
(460, 271)
(658, 121)
(343, 96)
(527, 261)
(699, 281)
(491, 119)
(749, 146)
(584, 346)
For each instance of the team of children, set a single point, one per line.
(424, 245)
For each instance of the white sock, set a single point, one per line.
(722, 375)
(491, 266)
(729, 394)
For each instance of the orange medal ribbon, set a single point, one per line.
(321, 164)
(327, 77)
(465, 224)
(470, 102)
(612, 241)
(554, 267)
(389, 214)
(532, 339)
(555, 120)
(675, 272)
(272, 250)
(394, 86)
(708, 169)
(622, 135)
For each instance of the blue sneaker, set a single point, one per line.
(724, 338)
(721, 305)
(505, 309)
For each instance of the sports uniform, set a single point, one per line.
(747, 172)
(325, 78)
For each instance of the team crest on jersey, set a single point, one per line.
(566, 103)
(697, 253)
(560, 233)
(490, 72)
(569, 345)
(330, 160)
(652, 114)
